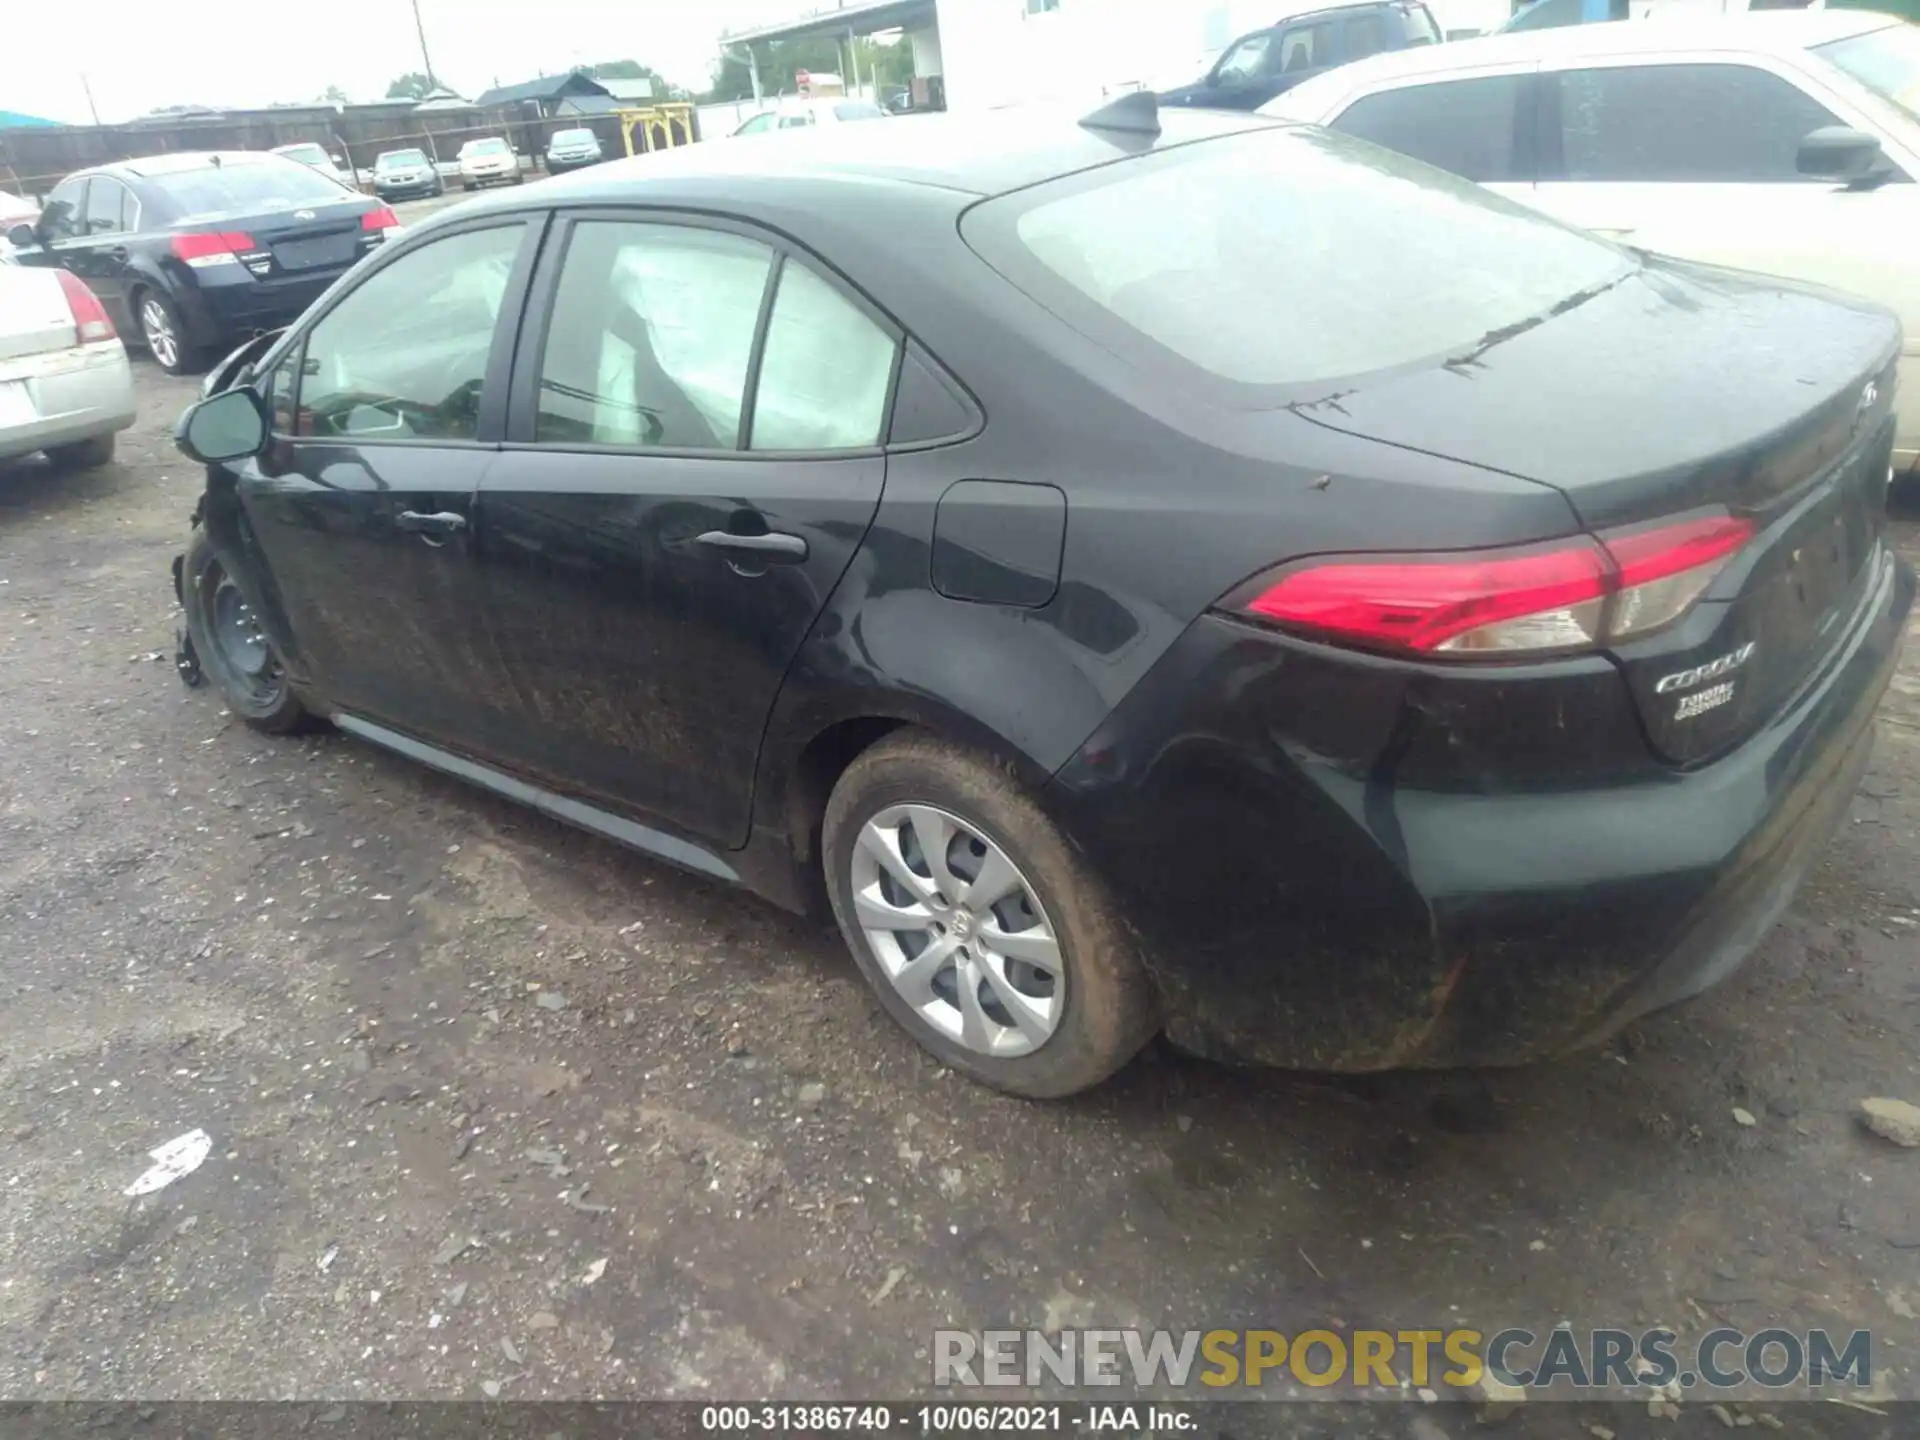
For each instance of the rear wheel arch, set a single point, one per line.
(801, 786)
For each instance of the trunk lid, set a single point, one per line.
(1680, 389)
(295, 239)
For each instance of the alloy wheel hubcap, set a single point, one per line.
(958, 930)
(159, 333)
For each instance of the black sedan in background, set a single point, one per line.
(194, 252)
(406, 175)
(1174, 570)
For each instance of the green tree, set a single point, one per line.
(411, 86)
(625, 70)
(334, 96)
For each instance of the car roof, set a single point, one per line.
(1775, 32)
(184, 160)
(981, 153)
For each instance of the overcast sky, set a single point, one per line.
(141, 54)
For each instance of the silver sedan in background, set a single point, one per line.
(65, 386)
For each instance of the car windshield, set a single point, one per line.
(1886, 61)
(1286, 257)
(484, 147)
(236, 186)
(400, 160)
(572, 137)
(858, 110)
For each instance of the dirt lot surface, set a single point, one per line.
(496, 1107)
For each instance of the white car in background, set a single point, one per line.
(1780, 141)
(316, 156)
(488, 161)
(802, 114)
(65, 386)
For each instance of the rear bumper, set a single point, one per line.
(73, 395)
(227, 308)
(1306, 908)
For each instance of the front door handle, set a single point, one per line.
(441, 522)
(775, 548)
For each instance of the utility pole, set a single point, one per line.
(425, 59)
(95, 109)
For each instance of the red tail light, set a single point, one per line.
(1568, 595)
(206, 248)
(90, 319)
(382, 218)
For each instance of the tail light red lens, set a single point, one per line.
(90, 319)
(205, 248)
(1569, 595)
(382, 218)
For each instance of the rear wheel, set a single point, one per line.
(83, 454)
(232, 647)
(161, 330)
(980, 928)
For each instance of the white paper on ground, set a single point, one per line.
(177, 1157)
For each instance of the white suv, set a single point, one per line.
(1786, 142)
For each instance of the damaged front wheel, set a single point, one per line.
(229, 643)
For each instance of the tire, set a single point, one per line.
(83, 454)
(1084, 1019)
(257, 692)
(161, 332)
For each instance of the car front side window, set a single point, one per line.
(651, 336)
(1699, 123)
(60, 216)
(404, 355)
(1246, 61)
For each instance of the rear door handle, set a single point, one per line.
(775, 548)
(441, 522)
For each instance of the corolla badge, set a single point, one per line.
(1712, 670)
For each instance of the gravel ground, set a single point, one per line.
(496, 1107)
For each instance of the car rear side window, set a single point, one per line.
(1284, 257)
(825, 372)
(1365, 35)
(404, 355)
(236, 187)
(1683, 123)
(651, 336)
(110, 207)
(1465, 126)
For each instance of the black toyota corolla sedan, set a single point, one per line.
(1138, 572)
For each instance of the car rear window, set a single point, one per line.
(1887, 61)
(305, 154)
(1285, 257)
(237, 186)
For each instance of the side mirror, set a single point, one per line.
(229, 426)
(1842, 153)
(23, 237)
